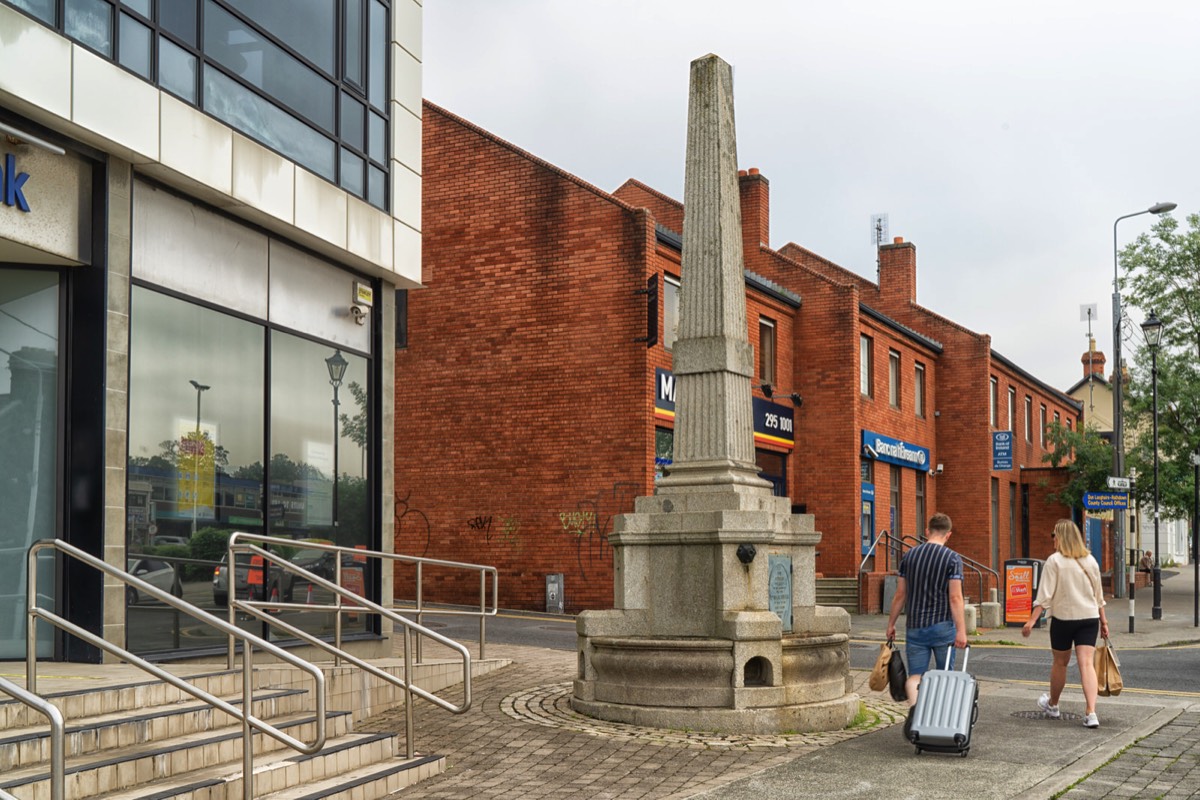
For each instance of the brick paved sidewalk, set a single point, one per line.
(1165, 764)
(520, 740)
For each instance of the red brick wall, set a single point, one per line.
(523, 417)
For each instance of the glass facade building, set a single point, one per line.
(213, 211)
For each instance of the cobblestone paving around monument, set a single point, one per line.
(1165, 764)
(522, 740)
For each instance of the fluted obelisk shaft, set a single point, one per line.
(713, 359)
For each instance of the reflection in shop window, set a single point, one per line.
(198, 468)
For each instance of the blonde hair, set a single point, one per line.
(1068, 540)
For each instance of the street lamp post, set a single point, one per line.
(1118, 407)
(200, 389)
(1152, 327)
(336, 364)
(1196, 540)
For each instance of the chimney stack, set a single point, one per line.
(756, 206)
(898, 271)
(1093, 360)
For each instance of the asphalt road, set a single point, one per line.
(1170, 669)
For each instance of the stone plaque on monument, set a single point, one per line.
(779, 586)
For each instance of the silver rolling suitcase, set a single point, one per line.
(946, 709)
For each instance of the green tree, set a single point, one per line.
(1086, 457)
(1162, 274)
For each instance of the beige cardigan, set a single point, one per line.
(1070, 590)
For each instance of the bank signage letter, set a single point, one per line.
(14, 184)
(894, 451)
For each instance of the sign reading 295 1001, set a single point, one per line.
(13, 184)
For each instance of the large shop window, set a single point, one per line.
(234, 427)
(28, 424)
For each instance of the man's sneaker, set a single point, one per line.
(1052, 711)
(1091, 721)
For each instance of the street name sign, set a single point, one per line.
(1119, 483)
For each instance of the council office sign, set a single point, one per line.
(894, 451)
(1105, 500)
(1002, 458)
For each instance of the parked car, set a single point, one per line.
(158, 574)
(244, 567)
(162, 539)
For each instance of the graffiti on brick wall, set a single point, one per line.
(591, 521)
(482, 525)
(504, 531)
(412, 528)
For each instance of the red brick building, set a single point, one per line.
(534, 394)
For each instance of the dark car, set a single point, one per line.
(249, 582)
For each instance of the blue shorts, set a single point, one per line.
(936, 640)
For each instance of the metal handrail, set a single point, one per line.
(57, 770)
(265, 610)
(249, 641)
(419, 561)
(904, 541)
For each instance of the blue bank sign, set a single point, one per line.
(894, 451)
(12, 184)
(1002, 458)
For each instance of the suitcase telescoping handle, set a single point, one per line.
(966, 655)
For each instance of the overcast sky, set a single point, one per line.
(1003, 139)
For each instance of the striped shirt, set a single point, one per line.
(927, 570)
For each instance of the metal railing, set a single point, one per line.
(249, 642)
(907, 540)
(348, 601)
(51, 712)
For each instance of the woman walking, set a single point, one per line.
(1070, 592)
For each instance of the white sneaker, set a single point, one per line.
(1052, 711)
(1091, 721)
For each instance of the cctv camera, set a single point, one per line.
(359, 314)
(870, 451)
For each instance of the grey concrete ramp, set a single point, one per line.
(1023, 756)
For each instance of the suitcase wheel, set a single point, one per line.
(918, 750)
(964, 752)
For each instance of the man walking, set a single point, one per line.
(930, 586)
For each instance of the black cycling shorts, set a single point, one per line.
(1068, 633)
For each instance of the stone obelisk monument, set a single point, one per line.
(715, 625)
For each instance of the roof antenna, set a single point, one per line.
(1087, 313)
(879, 233)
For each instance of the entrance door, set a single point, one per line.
(29, 339)
(1095, 539)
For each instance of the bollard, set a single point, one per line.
(1132, 586)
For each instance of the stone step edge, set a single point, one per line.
(31, 775)
(230, 772)
(110, 718)
(365, 776)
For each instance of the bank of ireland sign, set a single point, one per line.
(12, 184)
(894, 451)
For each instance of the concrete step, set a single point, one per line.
(134, 696)
(285, 773)
(125, 768)
(29, 746)
(375, 780)
(839, 592)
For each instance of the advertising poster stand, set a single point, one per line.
(1021, 577)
